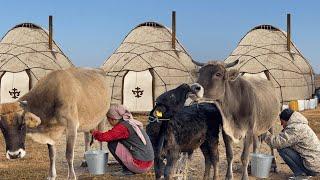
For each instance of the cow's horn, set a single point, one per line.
(198, 63)
(229, 65)
(23, 103)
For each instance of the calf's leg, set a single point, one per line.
(158, 166)
(52, 157)
(172, 157)
(229, 153)
(214, 157)
(206, 153)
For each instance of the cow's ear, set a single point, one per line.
(23, 104)
(31, 120)
(233, 74)
(195, 73)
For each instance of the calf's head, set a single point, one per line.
(14, 121)
(213, 78)
(170, 102)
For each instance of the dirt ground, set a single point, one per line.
(36, 163)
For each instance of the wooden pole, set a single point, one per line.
(173, 30)
(288, 31)
(50, 32)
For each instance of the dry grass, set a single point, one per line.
(36, 163)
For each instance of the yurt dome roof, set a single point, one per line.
(264, 48)
(146, 46)
(25, 46)
(147, 51)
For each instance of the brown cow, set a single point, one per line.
(249, 107)
(65, 100)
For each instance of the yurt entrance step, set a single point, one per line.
(13, 86)
(137, 91)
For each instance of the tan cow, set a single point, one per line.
(249, 107)
(68, 101)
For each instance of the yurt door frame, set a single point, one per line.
(14, 88)
(138, 90)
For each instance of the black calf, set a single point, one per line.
(184, 130)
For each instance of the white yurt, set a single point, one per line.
(25, 57)
(145, 65)
(263, 52)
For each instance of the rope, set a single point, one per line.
(152, 119)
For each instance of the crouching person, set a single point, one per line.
(297, 145)
(127, 141)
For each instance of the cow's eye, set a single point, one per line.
(218, 74)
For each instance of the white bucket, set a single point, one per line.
(312, 103)
(316, 99)
(96, 160)
(306, 104)
(260, 165)
(300, 105)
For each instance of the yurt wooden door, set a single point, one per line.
(137, 91)
(13, 86)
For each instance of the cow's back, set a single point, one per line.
(85, 91)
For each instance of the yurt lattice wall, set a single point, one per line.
(263, 52)
(25, 57)
(145, 65)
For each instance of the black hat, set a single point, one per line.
(286, 114)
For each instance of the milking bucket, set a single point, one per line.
(96, 160)
(260, 165)
(300, 105)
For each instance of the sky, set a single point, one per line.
(88, 32)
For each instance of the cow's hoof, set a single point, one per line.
(84, 164)
(51, 178)
(275, 170)
(229, 177)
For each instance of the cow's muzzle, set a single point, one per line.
(16, 154)
(198, 90)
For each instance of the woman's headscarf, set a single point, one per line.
(118, 111)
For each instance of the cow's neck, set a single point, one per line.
(229, 101)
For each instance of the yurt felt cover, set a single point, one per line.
(148, 47)
(26, 47)
(264, 50)
(317, 81)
